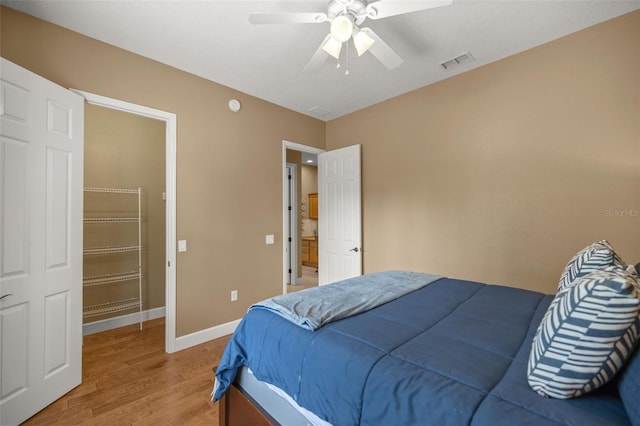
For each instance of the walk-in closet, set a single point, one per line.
(124, 219)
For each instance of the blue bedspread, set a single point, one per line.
(451, 353)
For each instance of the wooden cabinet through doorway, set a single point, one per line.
(313, 206)
(309, 251)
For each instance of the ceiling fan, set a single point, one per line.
(345, 17)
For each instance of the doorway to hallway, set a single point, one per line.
(299, 180)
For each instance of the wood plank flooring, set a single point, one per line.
(128, 379)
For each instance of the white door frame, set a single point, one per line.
(285, 188)
(170, 120)
(292, 200)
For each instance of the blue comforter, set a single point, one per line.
(451, 353)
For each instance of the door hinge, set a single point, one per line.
(289, 208)
(290, 271)
(290, 239)
(289, 177)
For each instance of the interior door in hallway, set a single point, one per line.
(339, 218)
(41, 178)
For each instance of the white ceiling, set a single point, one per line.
(214, 39)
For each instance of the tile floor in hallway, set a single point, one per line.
(309, 279)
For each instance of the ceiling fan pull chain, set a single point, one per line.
(346, 60)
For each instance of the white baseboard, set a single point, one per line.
(182, 342)
(121, 321)
(205, 335)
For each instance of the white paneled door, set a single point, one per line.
(41, 176)
(339, 204)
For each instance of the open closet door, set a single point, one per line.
(339, 218)
(41, 176)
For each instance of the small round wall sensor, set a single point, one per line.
(234, 105)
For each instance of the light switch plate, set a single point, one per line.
(270, 239)
(182, 245)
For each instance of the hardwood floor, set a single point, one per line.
(128, 379)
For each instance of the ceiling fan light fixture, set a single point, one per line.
(342, 28)
(333, 47)
(362, 41)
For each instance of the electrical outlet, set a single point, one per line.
(234, 295)
(270, 239)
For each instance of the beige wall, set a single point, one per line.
(124, 150)
(501, 174)
(229, 172)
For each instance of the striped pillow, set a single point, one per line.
(592, 258)
(589, 330)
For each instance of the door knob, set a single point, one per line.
(356, 249)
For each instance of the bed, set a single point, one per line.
(449, 352)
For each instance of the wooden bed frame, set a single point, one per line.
(237, 408)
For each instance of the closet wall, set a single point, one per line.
(124, 150)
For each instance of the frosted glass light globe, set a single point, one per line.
(342, 28)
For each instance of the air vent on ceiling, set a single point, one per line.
(458, 60)
(319, 111)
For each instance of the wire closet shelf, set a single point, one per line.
(106, 279)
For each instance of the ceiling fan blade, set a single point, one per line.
(287, 18)
(318, 58)
(382, 51)
(385, 8)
